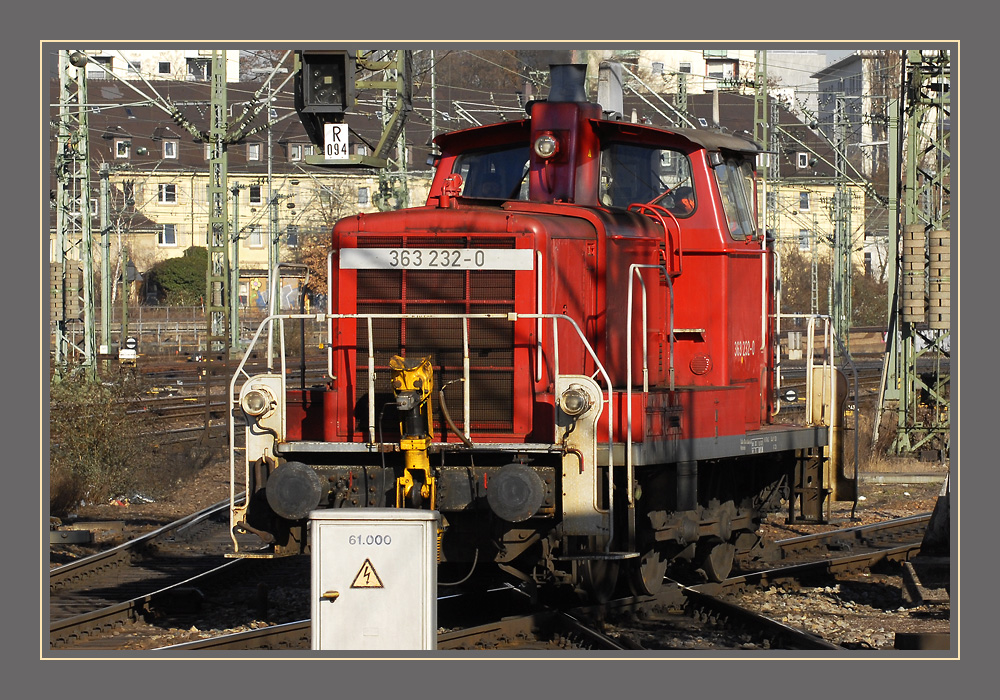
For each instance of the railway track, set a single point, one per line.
(149, 575)
(177, 398)
(708, 613)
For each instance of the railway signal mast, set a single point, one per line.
(72, 284)
(325, 91)
(916, 379)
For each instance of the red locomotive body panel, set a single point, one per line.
(590, 301)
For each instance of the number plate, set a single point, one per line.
(436, 259)
(336, 142)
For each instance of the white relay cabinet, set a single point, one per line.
(374, 578)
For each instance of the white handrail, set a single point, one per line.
(371, 384)
(329, 311)
(466, 382)
(633, 272)
(538, 323)
(511, 316)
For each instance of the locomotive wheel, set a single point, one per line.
(646, 574)
(718, 561)
(598, 578)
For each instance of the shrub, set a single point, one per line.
(99, 447)
(180, 281)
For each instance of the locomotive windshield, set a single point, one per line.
(495, 173)
(633, 173)
(735, 180)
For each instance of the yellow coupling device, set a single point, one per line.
(413, 382)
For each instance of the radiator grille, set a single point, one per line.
(491, 341)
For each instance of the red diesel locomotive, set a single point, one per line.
(568, 352)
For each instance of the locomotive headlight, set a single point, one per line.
(546, 146)
(574, 401)
(256, 402)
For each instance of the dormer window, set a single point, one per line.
(123, 148)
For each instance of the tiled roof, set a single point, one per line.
(140, 112)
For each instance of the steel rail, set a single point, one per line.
(732, 615)
(68, 630)
(862, 534)
(299, 633)
(122, 554)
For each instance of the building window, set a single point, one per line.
(804, 201)
(255, 236)
(804, 239)
(310, 150)
(199, 68)
(133, 67)
(255, 197)
(208, 151)
(295, 151)
(772, 199)
(292, 236)
(168, 194)
(253, 151)
(802, 160)
(93, 207)
(163, 67)
(123, 148)
(96, 68)
(715, 53)
(657, 67)
(362, 195)
(722, 71)
(362, 149)
(170, 149)
(167, 235)
(684, 67)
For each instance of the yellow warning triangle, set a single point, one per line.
(367, 578)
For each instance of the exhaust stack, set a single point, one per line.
(568, 76)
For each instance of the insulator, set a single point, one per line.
(939, 280)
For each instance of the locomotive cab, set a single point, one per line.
(567, 352)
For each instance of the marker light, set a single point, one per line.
(574, 401)
(256, 402)
(546, 146)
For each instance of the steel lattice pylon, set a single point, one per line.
(71, 276)
(917, 379)
(217, 277)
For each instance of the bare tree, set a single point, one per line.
(884, 73)
(334, 201)
(255, 64)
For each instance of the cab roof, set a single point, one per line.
(514, 130)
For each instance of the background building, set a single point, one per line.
(158, 64)
(150, 138)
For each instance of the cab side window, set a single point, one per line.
(498, 173)
(736, 186)
(634, 173)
